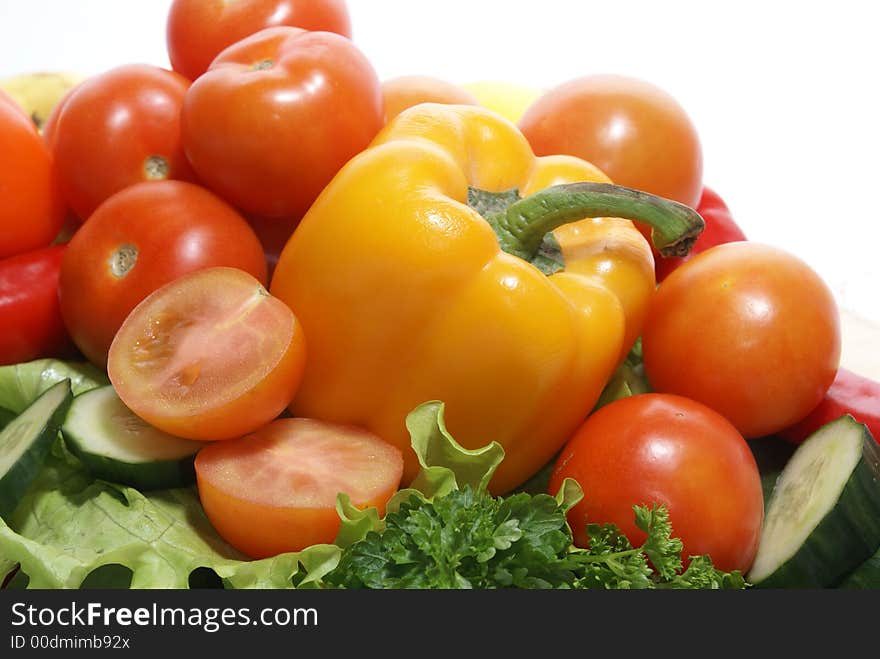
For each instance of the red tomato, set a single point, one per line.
(633, 131)
(139, 239)
(115, 129)
(720, 228)
(277, 115)
(403, 92)
(197, 30)
(31, 209)
(660, 448)
(748, 329)
(30, 316)
(275, 490)
(208, 356)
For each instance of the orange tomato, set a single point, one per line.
(632, 130)
(403, 92)
(275, 490)
(208, 356)
(32, 211)
(747, 329)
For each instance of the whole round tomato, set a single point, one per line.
(197, 30)
(115, 129)
(403, 92)
(31, 209)
(275, 490)
(632, 130)
(277, 115)
(748, 329)
(666, 449)
(208, 356)
(31, 326)
(138, 240)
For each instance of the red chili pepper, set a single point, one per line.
(850, 393)
(720, 228)
(30, 314)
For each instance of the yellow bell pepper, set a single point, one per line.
(407, 294)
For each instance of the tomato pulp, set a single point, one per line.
(209, 356)
(275, 490)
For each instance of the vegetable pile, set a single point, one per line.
(271, 321)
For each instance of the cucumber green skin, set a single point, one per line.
(847, 536)
(864, 577)
(6, 416)
(145, 476)
(15, 482)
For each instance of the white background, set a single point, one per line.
(783, 94)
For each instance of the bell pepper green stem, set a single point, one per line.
(522, 226)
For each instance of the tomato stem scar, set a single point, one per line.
(123, 260)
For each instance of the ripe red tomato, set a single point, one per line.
(31, 326)
(275, 490)
(115, 129)
(720, 228)
(208, 356)
(139, 239)
(403, 92)
(632, 130)
(197, 30)
(31, 209)
(277, 115)
(748, 329)
(660, 448)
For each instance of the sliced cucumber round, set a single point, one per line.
(118, 446)
(823, 516)
(27, 439)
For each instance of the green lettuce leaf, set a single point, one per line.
(21, 384)
(446, 466)
(70, 526)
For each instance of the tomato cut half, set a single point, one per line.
(275, 490)
(208, 356)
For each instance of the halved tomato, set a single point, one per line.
(208, 356)
(275, 490)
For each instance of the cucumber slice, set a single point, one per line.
(26, 441)
(823, 517)
(118, 446)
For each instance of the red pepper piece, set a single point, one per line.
(720, 228)
(850, 393)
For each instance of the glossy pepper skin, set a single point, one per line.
(406, 295)
(850, 393)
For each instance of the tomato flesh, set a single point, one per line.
(275, 490)
(660, 448)
(209, 356)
